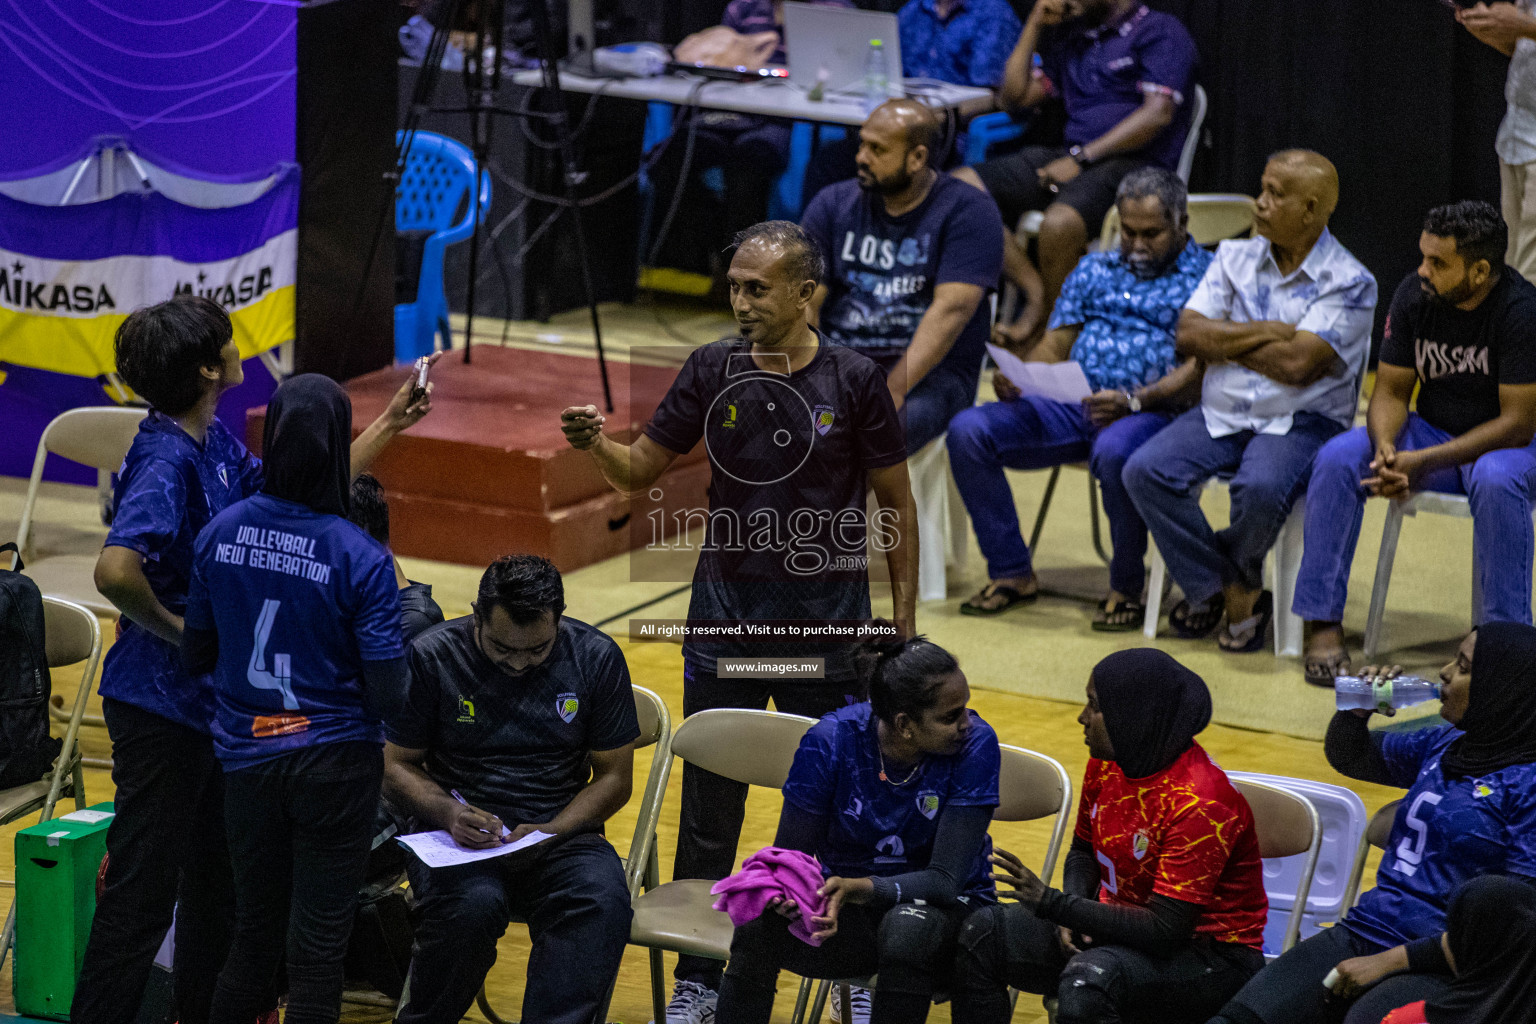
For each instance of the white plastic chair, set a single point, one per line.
(1280, 567)
(1435, 503)
(1288, 826)
(95, 436)
(941, 520)
(1342, 816)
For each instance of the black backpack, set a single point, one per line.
(27, 751)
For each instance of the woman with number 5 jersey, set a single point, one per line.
(296, 612)
(1470, 810)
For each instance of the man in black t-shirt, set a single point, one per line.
(797, 432)
(370, 510)
(517, 719)
(1463, 329)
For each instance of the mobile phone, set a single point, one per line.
(419, 389)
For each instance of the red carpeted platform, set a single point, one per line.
(488, 472)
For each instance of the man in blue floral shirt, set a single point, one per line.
(1116, 317)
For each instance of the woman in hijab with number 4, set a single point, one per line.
(1162, 908)
(296, 612)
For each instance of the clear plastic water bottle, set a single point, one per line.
(877, 84)
(1355, 693)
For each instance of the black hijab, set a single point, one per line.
(1492, 926)
(306, 447)
(1500, 720)
(1153, 707)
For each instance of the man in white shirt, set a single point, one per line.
(1510, 28)
(1282, 323)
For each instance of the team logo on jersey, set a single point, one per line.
(566, 706)
(1139, 845)
(822, 417)
(1481, 790)
(466, 710)
(928, 804)
(223, 475)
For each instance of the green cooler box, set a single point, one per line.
(56, 866)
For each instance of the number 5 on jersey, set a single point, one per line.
(280, 678)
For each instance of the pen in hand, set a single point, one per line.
(490, 829)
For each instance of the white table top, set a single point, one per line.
(768, 99)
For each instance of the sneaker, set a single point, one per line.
(692, 1003)
(860, 1000)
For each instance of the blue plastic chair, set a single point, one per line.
(986, 131)
(785, 202)
(439, 177)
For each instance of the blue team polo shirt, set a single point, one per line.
(1103, 74)
(168, 489)
(1446, 831)
(875, 829)
(1128, 323)
(303, 599)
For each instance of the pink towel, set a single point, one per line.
(773, 872)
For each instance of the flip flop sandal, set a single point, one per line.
(1192, 625)
(1247, 636)
(1323, 671)
(1123, 618)
(1011, 597)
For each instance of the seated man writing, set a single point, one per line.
(518, 719)
(1463, 331)
(1116, 318)
(1283, 324)
(911, 254)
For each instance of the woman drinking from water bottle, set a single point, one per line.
(1470, 810)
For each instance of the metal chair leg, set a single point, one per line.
(658, 988)
(1389, 535)
(1093, 518)
(820, 1002)
(1045, 506)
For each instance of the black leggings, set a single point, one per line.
(299, 828)
(908, 946)
(1290, 990)
(1008, 945)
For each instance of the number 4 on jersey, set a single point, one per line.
(256, 672)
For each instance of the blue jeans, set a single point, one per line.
(930, 406)
(1268, 473)
(1500, 486)
(1033, 433)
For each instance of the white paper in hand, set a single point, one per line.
(1060, 382)
(438, 849)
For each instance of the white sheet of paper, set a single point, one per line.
(1060, 382)
(438, 849)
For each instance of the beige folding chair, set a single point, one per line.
(1376, 834)
(71, 635)
(755, 747)
(640, 863)
(1030, 786)
(1287, 824)
(96, 436)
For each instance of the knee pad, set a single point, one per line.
(1089, 989)
(984, 943)
(911, 936)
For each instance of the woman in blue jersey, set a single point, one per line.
(166, 845)
(296, 612)
(893, 796)
(1470, 810)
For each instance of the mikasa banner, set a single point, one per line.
(69, 275)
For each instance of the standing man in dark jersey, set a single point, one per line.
(798, 432)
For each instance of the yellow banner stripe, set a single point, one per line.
(83, 346)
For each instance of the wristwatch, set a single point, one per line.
(1132, 402)
(1081, 157)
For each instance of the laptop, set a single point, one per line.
(837, 39)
